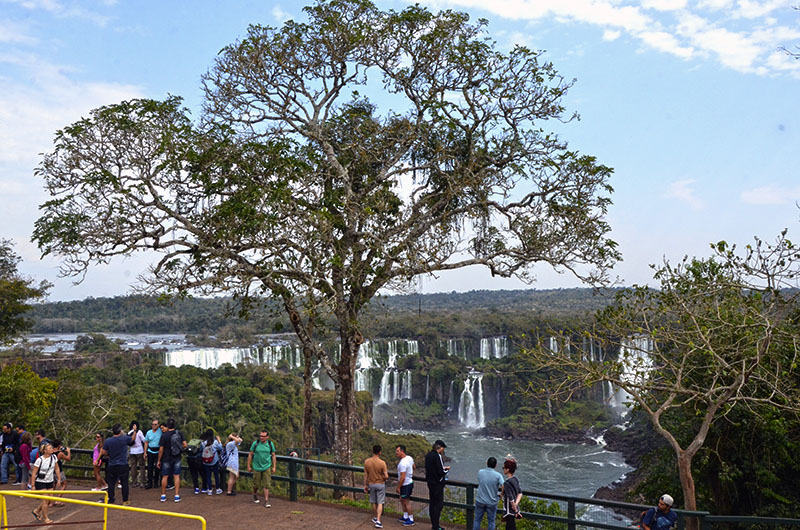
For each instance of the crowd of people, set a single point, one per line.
(154, 459)
(493, 487)
(133, 458)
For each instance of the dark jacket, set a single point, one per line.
(434, 468)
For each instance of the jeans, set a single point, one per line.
(5, 462)
(491, 514)
(208, 470)
(195, 470)
(114, 473)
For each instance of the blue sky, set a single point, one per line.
(692, 103)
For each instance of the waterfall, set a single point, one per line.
(634, 355)
(427, 388)
(407, 387)
(397, 383)
(470, 406)
(494, 347)
(383, 394)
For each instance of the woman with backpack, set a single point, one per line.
(231, 461)
(212, 447)
(45, 476)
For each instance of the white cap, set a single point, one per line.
(666, 499)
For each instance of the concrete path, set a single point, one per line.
(220, 512)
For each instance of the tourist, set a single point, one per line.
(9, 442)
(512, 494)
(41, 440)
(405, 483)
(136, 461)
(171, 447)
(97, 462)
(212, 447)
(490, 482)
(63, 454)
(44, 476)
(661, 517)
(261, 462)
(435, 475)
(232, 461)
(116, 449)
(152, 441)
(24, 466)
(18, 456)
(194, 454)
(375, 476)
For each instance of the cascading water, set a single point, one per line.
(494, 347)
(451, 398)
(634, 354)
(427, 388)
(470, 405)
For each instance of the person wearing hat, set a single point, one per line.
(660, 517)
(435, 474)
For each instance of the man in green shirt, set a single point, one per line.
(261, 461)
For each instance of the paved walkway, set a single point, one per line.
(220, 512)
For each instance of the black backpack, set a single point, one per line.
(176, 443)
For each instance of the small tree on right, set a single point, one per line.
(719, 333)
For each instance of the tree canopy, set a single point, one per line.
(295, 184)
(16, 294)
(719, 337)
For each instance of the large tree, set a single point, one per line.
(720, 334)
(16, 294)
(294, 185)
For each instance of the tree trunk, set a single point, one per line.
(344, 408)
(687, 484)
(308, 426)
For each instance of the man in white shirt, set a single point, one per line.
(405, 483)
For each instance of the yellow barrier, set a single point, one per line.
(105, 505)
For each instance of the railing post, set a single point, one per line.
(470, 506)
(571, 514)
(292, 480)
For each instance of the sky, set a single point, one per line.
(693, 104)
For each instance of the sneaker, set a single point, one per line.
(163, 498)
(404, 519)
(119, 486)
(267, 505)
(104, 487)
(408, 522)
(378, 524)
(177, 498)
(219, 491)
(255, 499)
(231, 494)
(203, 490)
(196, 491)
(210, 492)
(374, 520)
(126, 503)
(97, 489)
(17, 483)
(171, 487)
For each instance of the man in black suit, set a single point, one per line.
(435, 473)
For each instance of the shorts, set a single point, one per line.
(43, 485)
(262, 480)
(377, 493)
(405, 490)
(170, 468)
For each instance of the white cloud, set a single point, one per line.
(58, 9)
(13, 33)
(771, 195)
(279, 14)
(664, 5)
(684, 191)
(741, 35)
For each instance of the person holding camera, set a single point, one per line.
(44, 476)
(116, 449)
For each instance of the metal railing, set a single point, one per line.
(578, 510)
(103, 505)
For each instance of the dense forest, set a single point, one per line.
(475, 313)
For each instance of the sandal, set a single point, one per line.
(48, 521)
(35, 514)
(59, 503)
